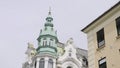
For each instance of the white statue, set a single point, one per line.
(30, 52)
(70, 41)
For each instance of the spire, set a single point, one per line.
(49, 18)
(49, 11)
(47, 39)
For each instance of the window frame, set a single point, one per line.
(50, 62)
(42, 63)
(102, 62)
(100, 38)
(118, 25)
(51, 42)
(69, 67)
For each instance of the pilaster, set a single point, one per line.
(37, 65)
(54, 63)
(46, 62)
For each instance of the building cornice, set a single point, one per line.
(86, 29)
(46, 47)
(47, 35)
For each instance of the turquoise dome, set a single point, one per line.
(47, 39)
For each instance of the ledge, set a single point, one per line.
(118, 37)
(51, 47)
(101, 47)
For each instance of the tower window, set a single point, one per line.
(41, 63)
(100, 38)
(51, 42)
(35, 64)
(44, 42)
(118, 25)
(50, 63)
(102, 63)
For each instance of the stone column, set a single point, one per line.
(37, 64)
(46, 62)
(54, 63)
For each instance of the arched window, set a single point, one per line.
(35, 64)
(50, 63)
(69, 67)
(41, 64)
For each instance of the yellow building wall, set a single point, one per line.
(111, 50)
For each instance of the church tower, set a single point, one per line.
(51, 53)
(47, 45)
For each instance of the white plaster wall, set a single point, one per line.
(69, 63)
(75, 63)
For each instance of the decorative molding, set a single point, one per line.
(46, 47)
(118, 37)
(47, 35)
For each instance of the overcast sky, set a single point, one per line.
(21, 21)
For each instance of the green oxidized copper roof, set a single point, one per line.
(49, 33)
(48, 27)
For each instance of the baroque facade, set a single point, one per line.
(103, 36)
(51, 53)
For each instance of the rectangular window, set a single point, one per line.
(100, 38)
(102, 63)
(118, 25)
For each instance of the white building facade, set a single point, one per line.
(50, 53)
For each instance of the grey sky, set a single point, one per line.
(21, 21)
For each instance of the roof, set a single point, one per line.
(118, 3)
(82, 52)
